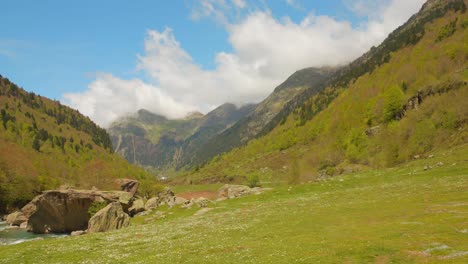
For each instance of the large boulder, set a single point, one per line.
(138, 206)
(16, 218)
(128, 185)
(65, 211)
(110, 217)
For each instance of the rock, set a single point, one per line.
(440, 164)
(188, 203)
(128, 185)
(427, 168)
(64, 211)
(203, 211)
(138, 206)
(416, 156)
(233, 191)
(78, 233)
(110, 217)
(24, 225)
(430, 156)
(202, 202)
(16, 218)
(152, 203)
(180, 201)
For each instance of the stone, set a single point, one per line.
(138, 206)
(180, 201)
(16, 218)
(440, 164)
(152, 203)
(64, 211)
(111, 217)
(202, 202)
(128, 185)
(78, 233)
(24, 225)
(233, 191)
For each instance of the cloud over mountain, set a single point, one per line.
(265, 50)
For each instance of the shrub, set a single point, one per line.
(95, 207)
(253, 181)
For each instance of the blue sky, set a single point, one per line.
(58, 48)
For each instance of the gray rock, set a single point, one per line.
(202, 202)
(138, 206)
(152, 203)
(16, 218)
(78, 233)
(65, 211)
(128, 185)
(110, 217)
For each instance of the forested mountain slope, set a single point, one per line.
(402, 100)
(44, 144)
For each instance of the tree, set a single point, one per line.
(36, 144)
(393, 103)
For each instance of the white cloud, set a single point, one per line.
(239, 3)
(108, 98)
(265, 51)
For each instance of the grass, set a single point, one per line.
(398, 215)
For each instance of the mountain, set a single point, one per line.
(44, 144)
(402, 100)
(266, 114)
(153, 141)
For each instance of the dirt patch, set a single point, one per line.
(194, 195)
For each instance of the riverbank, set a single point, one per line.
(15, 235)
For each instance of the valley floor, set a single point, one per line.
(400, 215)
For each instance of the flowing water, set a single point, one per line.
(9, 235)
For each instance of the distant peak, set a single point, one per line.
(194, 115)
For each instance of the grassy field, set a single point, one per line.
(399, 215)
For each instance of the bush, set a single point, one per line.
(253, 181)
(95, 207)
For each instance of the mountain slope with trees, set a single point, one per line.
(44, 144)
(400, 101)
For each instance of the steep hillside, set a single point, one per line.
(398, 102)
(266, 115)
(44, 144)
(153, 141)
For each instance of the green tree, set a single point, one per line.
(393, 103)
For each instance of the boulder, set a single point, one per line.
(138, 206)
(24, 225)
(78, 233)
(152, 203)
(110, 217)
(64, 211)
(16, 218)
(202, 202)
(180, 201)
(233, 191)
(128, 185)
